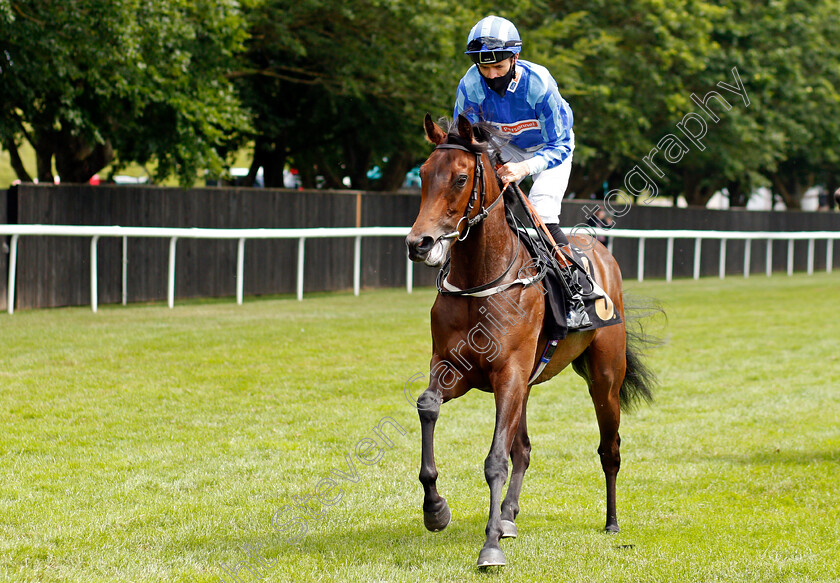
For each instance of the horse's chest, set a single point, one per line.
(478, 333)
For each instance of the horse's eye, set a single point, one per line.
(462, 181)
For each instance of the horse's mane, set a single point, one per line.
(489, 139)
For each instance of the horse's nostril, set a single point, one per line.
(419, 247)
(425, 244)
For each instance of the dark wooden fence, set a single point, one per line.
(54, 271)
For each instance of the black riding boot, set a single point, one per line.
(558, 234)
(576, 316)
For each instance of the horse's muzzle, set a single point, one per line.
(419, 247)
(427, 249)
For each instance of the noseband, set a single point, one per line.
(475, 195)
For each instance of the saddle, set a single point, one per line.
(574, 300)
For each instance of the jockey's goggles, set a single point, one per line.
(490, 43)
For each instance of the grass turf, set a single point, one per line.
(147, 444)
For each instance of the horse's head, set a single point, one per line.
(451, 180)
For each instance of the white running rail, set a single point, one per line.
(173, 234)
(242, 235)
(723, 237)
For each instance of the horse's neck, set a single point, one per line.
(485, 253)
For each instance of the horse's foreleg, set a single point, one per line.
(436, 514)
(509, 402)
(520, 456)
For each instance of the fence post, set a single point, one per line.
(698, 242)
(240, 271)
(810, 257)
(768, 267)
(124, 270)
(170, 287)
(301, 243)
(641, 267)
(747, 256)
(829, 255)
(357, 264)
(722, 260)
(669, 261)
(409, 275)
(10, 292)
(94, 268)
(790, 257)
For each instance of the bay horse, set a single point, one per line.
(476, 237)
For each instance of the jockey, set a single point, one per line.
(522, 100)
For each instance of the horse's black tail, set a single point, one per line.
(639, 380)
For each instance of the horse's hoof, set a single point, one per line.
(490, 557)
(509, 529)
(612, 528)
(437, 521)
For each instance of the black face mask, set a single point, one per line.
(500, 84)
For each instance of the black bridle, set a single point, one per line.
(477, 195)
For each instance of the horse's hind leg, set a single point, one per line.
(604, 372)
(520, 456)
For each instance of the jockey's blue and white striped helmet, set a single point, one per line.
(493, 39)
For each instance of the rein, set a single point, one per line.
(491, 288)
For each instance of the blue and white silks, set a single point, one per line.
(532, 113)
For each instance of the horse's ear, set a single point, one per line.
(465, 129)
(433, 132)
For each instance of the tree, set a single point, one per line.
(93, 82)
(787, 54)
(337, 88)
(805, 99)
(625, 68)
(628, 69)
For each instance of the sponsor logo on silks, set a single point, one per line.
(519, 127)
